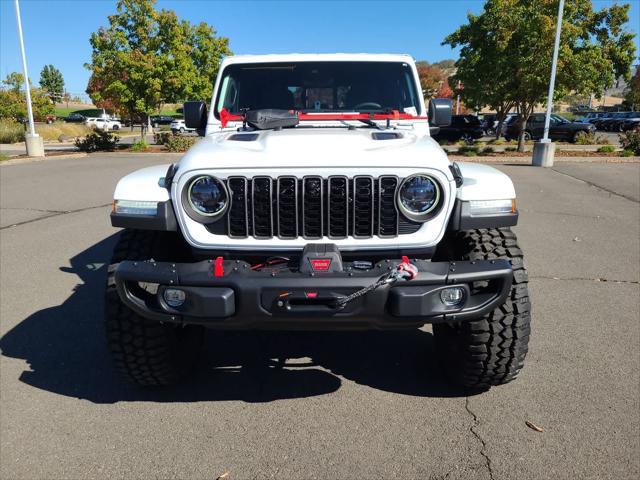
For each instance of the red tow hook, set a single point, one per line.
(406, 269)
(218, 268)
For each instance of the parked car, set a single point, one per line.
(178, 126)
(615, 123)
(75, 118)
(631, 123)
(107, 124)
(287, 218)
(158, 120)
(463, 127)
(590, 117)
(559, 128)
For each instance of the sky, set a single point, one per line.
(57, 31)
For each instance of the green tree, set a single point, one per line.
(14, 104)
(52, 83)
(632, 92)
(14, 81)
(507, 49)
(146, 57)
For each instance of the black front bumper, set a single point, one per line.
(241, 298)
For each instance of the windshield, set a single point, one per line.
(319, 87)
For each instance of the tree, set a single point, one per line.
(507, 49)
(14, 81)
(146, 57)
(14, 104)
(431, 78)
(52, 83)
(632, 93)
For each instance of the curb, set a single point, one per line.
(20, 160)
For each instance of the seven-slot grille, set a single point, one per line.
(314, 207)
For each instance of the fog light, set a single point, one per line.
(174, 297)
(452, 297)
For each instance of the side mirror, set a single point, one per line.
(195, 116)
(440, 110)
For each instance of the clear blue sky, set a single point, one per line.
(57, 32)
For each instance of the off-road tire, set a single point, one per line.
(491, 350)
(147, 352)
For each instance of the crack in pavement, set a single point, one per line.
(596, 279)
(472, 429)
(33, 209)
(55, 213)
(591, 184)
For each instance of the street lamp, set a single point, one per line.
(35, 146)
(543, 151)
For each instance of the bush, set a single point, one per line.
(631, 141)
(583, 138)
(466, 149)
(11, 131)
(177, 143)
(471, 153)
(497, 141)
(511, 149)
(97, 141)
(607, 149)
(162, 138)
(488, 150)
(140, 146)
(627, 153)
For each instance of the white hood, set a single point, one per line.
(322, 147)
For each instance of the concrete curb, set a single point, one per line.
(528, 160)
(20, 160)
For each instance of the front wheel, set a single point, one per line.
(490, 350)
(467, 138)
(527, 136)
(147, 352)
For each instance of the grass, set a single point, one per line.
(140, 146)
(57, 129)
(4, 156)
(607, 149)
(11, 131)
(627, 153)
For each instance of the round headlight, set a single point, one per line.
(418, 196)
(207, 196)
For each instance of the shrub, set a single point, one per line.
(631, 141)
(177, 143)
(97, 141)
(497, 141)
(471, 153)
(162, 138)
(583, 138)
(466, 149)
(488, 150)
(140, 146)
(627, 153)
(11, 131)
(607, 149)
(511, 149)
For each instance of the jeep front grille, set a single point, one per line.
(313, 207)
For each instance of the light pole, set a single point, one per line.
(35, 147)
(543, 151)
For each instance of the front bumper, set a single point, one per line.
(240, 298)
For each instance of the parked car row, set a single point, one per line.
(469, 128)
(616, 121)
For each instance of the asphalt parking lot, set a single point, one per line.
(361, 405)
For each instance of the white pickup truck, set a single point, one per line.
(317, 199)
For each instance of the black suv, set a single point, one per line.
(75, 118)
(559, 128)
(161, 120)
(463, 127)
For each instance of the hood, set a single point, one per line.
(327, 147)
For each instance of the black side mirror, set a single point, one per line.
(195, 116)
(440, 110)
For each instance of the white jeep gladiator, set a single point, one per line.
(317, 199)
